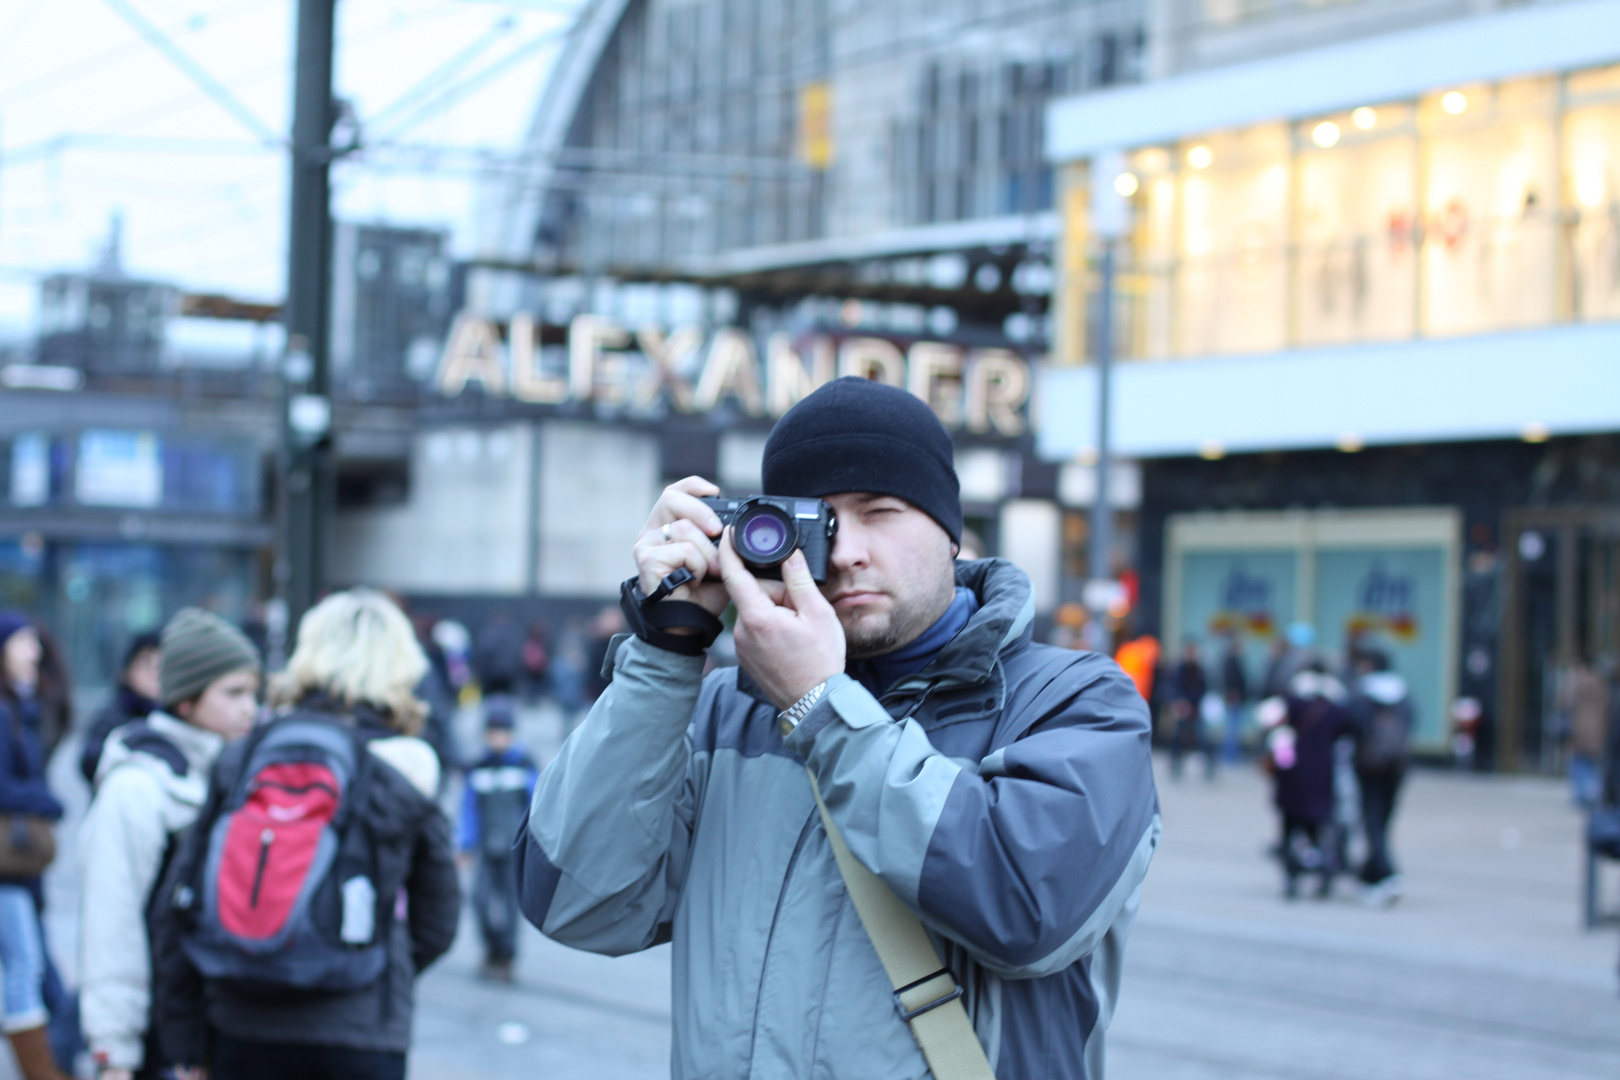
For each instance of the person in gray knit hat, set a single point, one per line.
(150, 785)
(199, 647)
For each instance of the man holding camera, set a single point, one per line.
(948, 892)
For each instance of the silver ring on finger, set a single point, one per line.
(666, 532)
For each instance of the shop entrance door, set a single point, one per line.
(1562, 603)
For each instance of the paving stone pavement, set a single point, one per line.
(1481, 971)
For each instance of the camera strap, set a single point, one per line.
(653, 618)
(925, 995)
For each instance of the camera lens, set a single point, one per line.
(765, 535)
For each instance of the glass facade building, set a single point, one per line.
(1368, 308)
(1472, 209)
(679, 130)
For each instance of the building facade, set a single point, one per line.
(719, 205)
(1366, 312)
(140, 433)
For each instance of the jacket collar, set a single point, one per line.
(361, 714)
(199, 745)
(1004, 621)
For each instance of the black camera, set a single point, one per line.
(765, 529)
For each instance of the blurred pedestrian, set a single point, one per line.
(133, 698)
(603, 628)
(498, 655)
(1188, 686)
(1585, 697)
(152, 782)
(39, 1017)
(536, 661)
(1381, 710)
(1139, 657)
(567, 678)
(493, 810)
(1300, 757)
(1290, 654)
(1234, 696)
(54, 694)
(435, 694)
(338, 769)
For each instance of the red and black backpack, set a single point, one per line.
(284, 898)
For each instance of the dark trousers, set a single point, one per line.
(1378, 792)
(1189, 739)
(1307, 848)
(495, 899)
(249, 1059)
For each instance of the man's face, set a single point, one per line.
(892, 573)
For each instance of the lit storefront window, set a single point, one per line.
(1475, 209)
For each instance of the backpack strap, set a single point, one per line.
(146, 739)
(925, 993)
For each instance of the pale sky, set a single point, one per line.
(204, 201)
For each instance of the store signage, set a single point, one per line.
(983, 390)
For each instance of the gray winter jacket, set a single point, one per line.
(1005, 793)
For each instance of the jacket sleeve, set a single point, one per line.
(31, 796)
(434, 891)
(468, 827)
(602, 862)
(121, 851)
(1027, 861)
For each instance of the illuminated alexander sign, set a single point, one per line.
(983, 390)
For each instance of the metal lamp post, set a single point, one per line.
(1111, 186)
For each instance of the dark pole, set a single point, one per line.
(1102, 511)
(308, 473)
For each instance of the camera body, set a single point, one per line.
(768, 528)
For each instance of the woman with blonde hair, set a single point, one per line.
(320, 879)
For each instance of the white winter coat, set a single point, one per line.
(139, 803)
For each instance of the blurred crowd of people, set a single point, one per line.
(236, 821)
(1336, 744)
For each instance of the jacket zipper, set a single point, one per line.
(266, 838)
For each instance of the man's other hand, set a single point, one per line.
(679, 532)
(788, 636)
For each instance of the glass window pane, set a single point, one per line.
(1490, 238)
(1233, 231)
(1355, 270)
(1592, 191)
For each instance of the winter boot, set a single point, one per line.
(34, 1057)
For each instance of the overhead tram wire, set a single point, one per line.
(450, 96)
(444, 72)
(15, 28)
(198, 74)
(122, 141)
(96, 63)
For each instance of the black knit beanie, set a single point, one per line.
(853, 434)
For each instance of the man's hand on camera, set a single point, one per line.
(788, 636)
(679, 532)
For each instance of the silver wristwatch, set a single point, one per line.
(790, 716)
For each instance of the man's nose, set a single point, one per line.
(849, 549)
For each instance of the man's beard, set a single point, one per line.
(869, 635)
(861, 642)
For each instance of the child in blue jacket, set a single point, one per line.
(494, 807)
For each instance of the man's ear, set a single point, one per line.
(183, 710)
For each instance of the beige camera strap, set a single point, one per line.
(925, 994)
